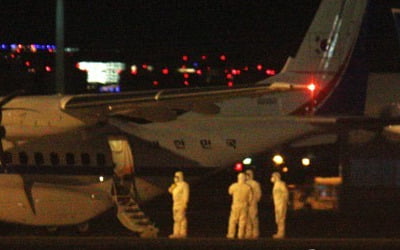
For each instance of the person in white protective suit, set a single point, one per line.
(280, 195)
(252, 228)
(241, 197)
(180, 196)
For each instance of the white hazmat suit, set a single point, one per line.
(180, 196)
(252, 228)
(241, 198)
(281, 196)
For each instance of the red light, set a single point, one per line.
(236, 72)
(134, 71)
(185, 58)
(222, 58)
(155, 83)
(144, 66)
(270, 72)
(230, 84)
(311, 87)
(259, 67)
(238, 167)
(27, 63)
(229, 76)
(186, 75)
(165, 71)
(203, 57)
(199, 72)
(246, 68)
(47, 68)
(186, 83)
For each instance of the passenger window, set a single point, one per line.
(8, 157)
(39, 160)
(101, 159)
(23, 158)
(85, 158)
(70, 158)
(54, 159)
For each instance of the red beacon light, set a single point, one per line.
(311, 87)
(238, 167)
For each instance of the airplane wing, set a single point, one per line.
(163, 105)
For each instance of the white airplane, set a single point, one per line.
(59, 153)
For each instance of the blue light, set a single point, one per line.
(13, 46)
(195, 64)
(3, 46)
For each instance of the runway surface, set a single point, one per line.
(208, 214)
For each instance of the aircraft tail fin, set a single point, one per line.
(330, 57)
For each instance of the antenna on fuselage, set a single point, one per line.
(60, 81)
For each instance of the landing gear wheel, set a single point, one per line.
(83, 228)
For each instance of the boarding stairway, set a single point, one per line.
(128, 210)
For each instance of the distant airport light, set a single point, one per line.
(199, 72)
(185, 58)
(247, 161)
(238, 167)
(183, 70)
(150, 68)
(134, 70)
(222, 57)
(165, 71)
(203, 57)
(27, 63)
(155, 83)
(285, 169)
(306, 161)
(235, 72)
(278, 159)
(144, 66)
(195, 64)
(186, 75)
(186, 83)
(229, 76)
(259, 67)
(230, 84)
(47, 68)
(270, 72)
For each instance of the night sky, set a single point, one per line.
(249, 30)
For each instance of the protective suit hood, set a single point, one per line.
(178, 177)
(250, 174)
(276, 176)
(241, 178)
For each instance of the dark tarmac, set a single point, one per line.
(208, 214)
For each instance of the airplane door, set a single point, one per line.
(121, 155)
